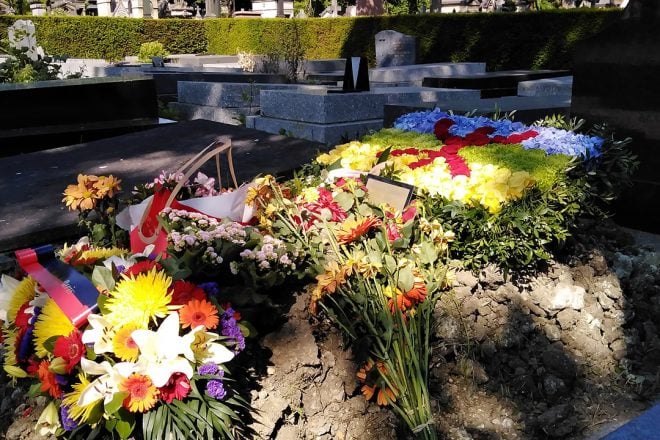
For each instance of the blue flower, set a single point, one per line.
(231, 330)
(421, 122)
(550, 140)
(68, 423)
(208, 369)
(211, 288)
(557, 141)
(216, 389)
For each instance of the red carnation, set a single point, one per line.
(393, 232)
(70, 348)
(143, 266)
(409, 213)
(183, 291)
(178, 387)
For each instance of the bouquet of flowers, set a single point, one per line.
(378, 275)
(152, 357)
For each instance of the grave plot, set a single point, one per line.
(555, 336)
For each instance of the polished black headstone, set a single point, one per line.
(356, 81)
(617, 81)
(48, 114)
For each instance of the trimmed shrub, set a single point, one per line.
(150, 50)
(537, 40)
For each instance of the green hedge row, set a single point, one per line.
(504, 41)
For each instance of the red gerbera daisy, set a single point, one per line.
(70, 348)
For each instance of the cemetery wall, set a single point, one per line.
(539, 40)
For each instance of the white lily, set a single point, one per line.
(8, 286)
(49, 420)
(160, 351)
(107, 384)
(101, 334)
(119, 261)
(217, 353)
(208, 351)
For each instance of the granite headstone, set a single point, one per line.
(617, 81)
(395, 49)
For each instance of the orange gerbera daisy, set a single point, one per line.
(48, 381)
(142, 394)
(373, 381)
(328, 282)
(408, 300)
(353, 229)
(199, 312)
(83, 195)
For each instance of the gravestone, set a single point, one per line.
(395, 49)
(356, 75)
(616, 80)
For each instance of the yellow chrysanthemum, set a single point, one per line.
(51, 322)
(139, 300)
(23, 293)
(101, 253)
(10, 348)
(79, 413)
(123, 344)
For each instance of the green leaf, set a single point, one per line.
(100, 302)
(102, 276)
(125, 427)
(390, 263)
(406, 279)
(345, 200)
(114, 405)
(35, 390)
(384, 156)
(429, 253)
(335, 165)
(247, 329)
(49, 344)
(98, 233)
(365, 210)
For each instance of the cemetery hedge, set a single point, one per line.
(504, 41)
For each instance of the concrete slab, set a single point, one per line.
(561, 86)
(425, 94)
(231, 116)
(329, 134)
(320, 107)
(229, 95)
(415, 74)
(31, 185)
